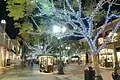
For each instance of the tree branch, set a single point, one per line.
(70, 7)
(108, 38)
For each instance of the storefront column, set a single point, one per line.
(115, 57)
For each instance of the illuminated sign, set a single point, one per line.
(100, 40)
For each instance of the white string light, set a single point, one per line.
(86, 31)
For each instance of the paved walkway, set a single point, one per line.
(72, 72)
(21, 74)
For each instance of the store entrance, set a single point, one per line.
(106, 61)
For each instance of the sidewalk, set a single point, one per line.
(21, 74)
(106, 68)
(72, 72)
(4, 70)
(77, 73)
(106, 73)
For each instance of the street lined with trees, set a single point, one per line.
(46, 26)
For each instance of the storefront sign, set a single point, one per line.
(100, 41)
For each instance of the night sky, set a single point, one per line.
(12, 32)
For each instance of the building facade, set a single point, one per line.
(111, 53)
(9, 49)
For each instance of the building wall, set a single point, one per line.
(108, 53)
(6, 45)
(1, 58)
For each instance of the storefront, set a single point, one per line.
(110, 54)
(107, 55)
(118, 53)
(5, 51)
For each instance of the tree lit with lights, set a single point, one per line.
(82, 24)
(65, 14)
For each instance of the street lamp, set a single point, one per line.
(59, 30)
(67, 48)
(41, 47)
(63, 29)
(60, 66)
(3, 24)
(56, 29)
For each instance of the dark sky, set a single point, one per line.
(12, 32)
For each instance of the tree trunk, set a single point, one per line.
(96, 67)
(96, 64)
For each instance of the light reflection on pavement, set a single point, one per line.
(72, 72)
(27, 74)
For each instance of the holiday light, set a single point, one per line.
(63, 16)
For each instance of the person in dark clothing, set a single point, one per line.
(31, 63)
(116, 74)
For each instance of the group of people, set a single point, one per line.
(29, 63)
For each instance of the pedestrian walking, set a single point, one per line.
(31, 64)
(116, 74)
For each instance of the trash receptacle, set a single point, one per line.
(89, 74)
(86, 74)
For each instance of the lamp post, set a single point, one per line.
(67, 48)
(3, 24)
(60, 66)
(57, 29)
(41, 47)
